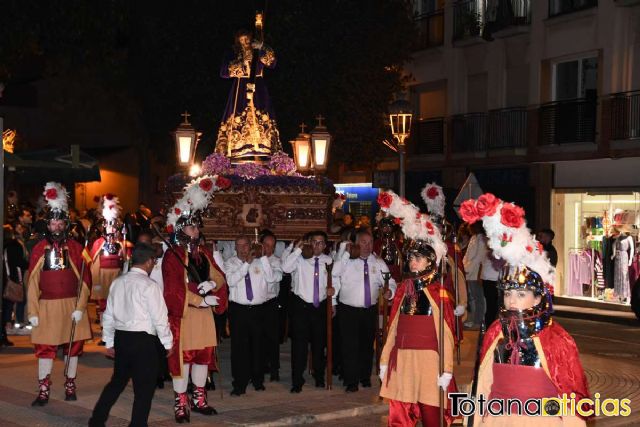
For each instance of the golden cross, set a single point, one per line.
(320, 119)
(302, 126)
(186, 116)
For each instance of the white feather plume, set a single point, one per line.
(195, 197)
(111, 208)
(416, 225)
(56, 196)
(435, 205)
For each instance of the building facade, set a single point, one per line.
(541, 100)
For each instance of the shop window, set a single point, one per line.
(595, 234)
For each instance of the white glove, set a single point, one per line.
(205, 287)
(76, 315)
(444, 380)
(209, 301)
(459, 311)
(383, 371)
(34, 321)
(256, 45)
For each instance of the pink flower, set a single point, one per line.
(487, 205)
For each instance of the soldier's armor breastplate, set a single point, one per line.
(417, 304)
(56, 259)
(389, 251)
(518, 337)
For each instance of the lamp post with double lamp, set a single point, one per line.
(400, 117)
(187, 139)
(311, 150)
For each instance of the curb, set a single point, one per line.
(596, 317)
(327, 416)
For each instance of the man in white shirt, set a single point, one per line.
(135, 315)
(308, 308)
(271, 329)
(360, 284)
(491, 268)
(248, 275)
(472, 261)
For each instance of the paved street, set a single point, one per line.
(610, 354)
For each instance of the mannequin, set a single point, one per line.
(623, 250)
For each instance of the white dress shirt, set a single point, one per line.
(260, 273)
(156, 273)
(273, 288)
(351, 274)
(304, 270)
(136, 304)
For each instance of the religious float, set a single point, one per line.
(267, 189)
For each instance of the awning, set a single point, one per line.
(52, 164)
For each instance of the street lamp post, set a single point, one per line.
(186, 138)
(400, 117)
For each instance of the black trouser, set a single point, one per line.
(247, 356)
(271, 335)
(136, 358)
(163, 362)
(308, 325)
(490, 289)
(357, 333)
(284, 298)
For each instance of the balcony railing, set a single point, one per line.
(560, 7)
(566, 122)
(431, 29)
(468, 18)
(469, 132)
(429, 136)
(508, 128)
(624, 115)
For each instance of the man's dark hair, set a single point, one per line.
(147, 233)
(363, 232)
(266, 233)
(320, 233)
(549, 232)
(142, 253)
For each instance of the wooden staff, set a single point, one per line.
(476, 370)
(73, 321)
(455, 287)
(329, 329)
(443, 263)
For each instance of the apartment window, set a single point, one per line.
(559, 7)
(575, 79)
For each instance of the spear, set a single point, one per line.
(73, 321)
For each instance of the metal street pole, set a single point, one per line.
(2, 211)
(401, 152)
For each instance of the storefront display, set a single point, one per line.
(597, 242)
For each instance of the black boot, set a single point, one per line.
(181, 408)
(43, 393)
(70, 389)
(199, 402)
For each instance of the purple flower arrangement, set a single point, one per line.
(282, 164)
(216, 164)
(250, 170)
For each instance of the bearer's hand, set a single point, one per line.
(209, 301)
(256, 44)
(387, 294)
(206, 287)
(383, 372)
(331, 292)
(459, 311)
(111, 352)
(34, 321)
(333, 310)
(170, 352)
(444, 380)
(76, 316)
(300, 244)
